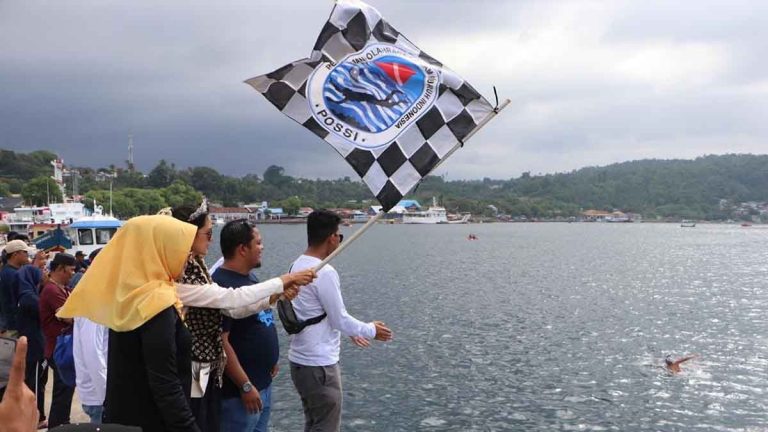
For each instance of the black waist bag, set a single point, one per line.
(291, 323)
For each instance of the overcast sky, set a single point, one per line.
(591, 83)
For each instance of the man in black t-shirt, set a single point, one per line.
(250, 343)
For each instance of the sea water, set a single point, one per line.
(546, 326)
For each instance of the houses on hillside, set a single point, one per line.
(751, 210)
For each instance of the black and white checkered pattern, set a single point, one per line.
(391, 171)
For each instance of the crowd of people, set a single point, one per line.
(161, 343)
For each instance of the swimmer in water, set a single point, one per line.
(674, 365)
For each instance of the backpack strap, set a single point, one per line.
(314, 320)
(291, 323)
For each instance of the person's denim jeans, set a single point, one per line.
(234, 417)
(94, 412)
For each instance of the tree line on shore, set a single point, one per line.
(704, 188)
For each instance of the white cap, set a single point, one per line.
(15, 246)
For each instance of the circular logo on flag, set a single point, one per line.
(373, 95)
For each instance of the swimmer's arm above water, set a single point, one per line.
(685, 359)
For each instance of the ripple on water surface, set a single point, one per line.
(548, 327)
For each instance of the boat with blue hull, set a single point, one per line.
(86, 234)
(92, 232)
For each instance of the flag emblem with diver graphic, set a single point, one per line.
(372, 96)
(392, 111)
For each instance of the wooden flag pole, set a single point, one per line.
(351, 239)
(378, 216)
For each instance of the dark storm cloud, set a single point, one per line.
(590, 82)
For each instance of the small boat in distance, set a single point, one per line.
(687, 223)
(464, 219)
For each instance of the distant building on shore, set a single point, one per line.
(604, 216)
(262, 211)
(226, 214)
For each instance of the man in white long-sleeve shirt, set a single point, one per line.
(90, 342)
(314, 352)
(90, 353)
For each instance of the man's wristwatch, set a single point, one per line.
(246, 387)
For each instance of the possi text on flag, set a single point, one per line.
(392, 111)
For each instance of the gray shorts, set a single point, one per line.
(320, 390)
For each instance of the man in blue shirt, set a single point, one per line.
(250, 343)
(17, 255)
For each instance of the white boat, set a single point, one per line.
(687, 224)
(464, 219)
(23, 218)
(18, 226)
(433, 215)
(92, 232)
(66, 213)
(359, 216)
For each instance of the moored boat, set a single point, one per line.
(92, 232)
(55, 240)
(433, 215)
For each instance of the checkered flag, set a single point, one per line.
(392, 111)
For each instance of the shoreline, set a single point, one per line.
(299, 221)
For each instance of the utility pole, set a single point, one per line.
(111, 179)
(130, 153)
(75, 176)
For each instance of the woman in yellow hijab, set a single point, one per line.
(130, 288)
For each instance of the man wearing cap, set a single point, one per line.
(17, 255)
(52, 297)
(80, 264)
(13, 235)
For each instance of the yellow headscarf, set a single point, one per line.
(132, 278)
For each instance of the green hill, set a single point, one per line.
(666, 188)
(708, 187)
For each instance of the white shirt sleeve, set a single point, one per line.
(247, 311)
(216, 297)
(329, 294)
(102, 345)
